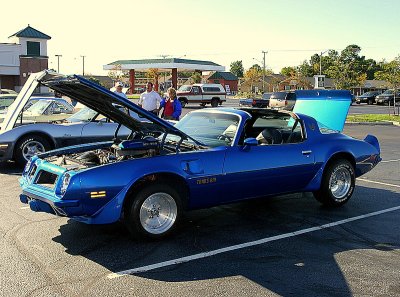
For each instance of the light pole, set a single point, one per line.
(83, 65)
(263, 82)
(320, 62)
(58, 62)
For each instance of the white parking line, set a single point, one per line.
(387, 161)
(24, 207)
(376, 182)
(245, 245)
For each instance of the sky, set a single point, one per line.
(221, 31)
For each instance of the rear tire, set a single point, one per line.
(154, 212)
(370, 102)
(337, 184)
(214, 102)
(28, 146)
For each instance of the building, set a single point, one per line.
(227, 79)
(26, 52)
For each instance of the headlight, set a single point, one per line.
(65, 182)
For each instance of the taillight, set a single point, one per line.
(286, 102)
(254, 102)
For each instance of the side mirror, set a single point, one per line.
(250, 142)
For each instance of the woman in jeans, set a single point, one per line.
(172, 106)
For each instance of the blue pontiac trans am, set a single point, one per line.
(211, 157)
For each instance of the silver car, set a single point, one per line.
(20, 141)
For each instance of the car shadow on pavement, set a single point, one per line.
(10, 167)
(305, 265)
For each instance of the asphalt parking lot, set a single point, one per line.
(286, 245)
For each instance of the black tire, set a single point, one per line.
(139, 217)
(22, 146)
(214, 102)
(327, 194)
(370, 101)
(183, 102)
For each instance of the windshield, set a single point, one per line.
(211, 129)
(84, 115)
(388, 92)
(184, 88)
(39, 107)
(278, 95)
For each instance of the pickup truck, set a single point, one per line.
(256, 102)
(213, 94)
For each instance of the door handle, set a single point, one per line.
(306, 152)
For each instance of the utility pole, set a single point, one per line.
(263, 82)
(58, 62)
(320, 62)
(83, 65)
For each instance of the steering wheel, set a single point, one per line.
(224, 137)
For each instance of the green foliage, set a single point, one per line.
(94, 80)
(256, 67)
(237, 69)
(372, 118)
(289, 71)
(196, 77)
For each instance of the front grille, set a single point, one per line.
(46, 179)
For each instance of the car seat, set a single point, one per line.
(269, 136)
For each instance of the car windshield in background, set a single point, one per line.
(211, 129)
(279, 95)
(184, 88)
(84, 115)
(388, 92)
(279, 121)
(266, 95)
(38, 108)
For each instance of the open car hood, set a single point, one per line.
(23, 96)
(95, 97)
(329, 107)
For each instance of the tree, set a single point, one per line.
(252, 76)
(94, 80)
(196, 77)
(256, 67)
(237, 69)
(289, 71)
(391, 73)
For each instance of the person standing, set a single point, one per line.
(118, 89)
(172, 106)
(150, 99)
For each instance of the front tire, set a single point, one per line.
(183, 102)
(337, 184)
(29, 146)
(154, 212)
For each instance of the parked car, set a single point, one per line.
(213, 94)
(282, 100)
(387, 97)
(6, 100)
(262, 103)
(20, 140)
(210, 157)
(368, 97)
(7, 91)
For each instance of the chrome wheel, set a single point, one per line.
(32, 148)
(340, 182)
(158, 213)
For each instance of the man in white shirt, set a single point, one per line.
(150, 100)
(118, 89)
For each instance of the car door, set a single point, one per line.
(260, 170)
